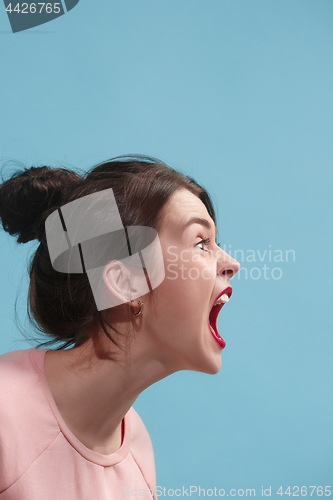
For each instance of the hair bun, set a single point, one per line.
(27, 195)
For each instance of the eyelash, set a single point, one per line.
(206, 241)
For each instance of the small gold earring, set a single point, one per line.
(139, 311)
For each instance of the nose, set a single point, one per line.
(227, 266)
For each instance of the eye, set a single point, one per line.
(204, 242)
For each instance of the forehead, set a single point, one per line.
(182, 206)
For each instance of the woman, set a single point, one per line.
(67, 426)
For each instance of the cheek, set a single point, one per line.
(188, 286)
(175, 285)
(203, 271)
(188, 283)
(190, 266)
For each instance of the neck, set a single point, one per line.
(94, 386)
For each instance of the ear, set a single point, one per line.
(123, 281)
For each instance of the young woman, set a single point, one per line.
(67, 426)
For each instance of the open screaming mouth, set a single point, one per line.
(212, 318)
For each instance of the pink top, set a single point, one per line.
(41, 459)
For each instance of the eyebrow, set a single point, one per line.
(199, 220)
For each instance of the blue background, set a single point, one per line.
(238, 94)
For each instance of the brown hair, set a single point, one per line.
(62, 305)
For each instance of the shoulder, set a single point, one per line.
(17, 376)
(26, 425)
(10, 362)
(14, 372)
(141, 448)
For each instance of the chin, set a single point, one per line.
(215, 367)
(211, 366)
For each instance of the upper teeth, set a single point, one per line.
(221, 300)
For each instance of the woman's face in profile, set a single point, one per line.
(196, 274)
